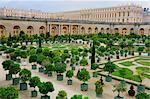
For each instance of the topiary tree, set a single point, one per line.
(15, 69)
(9, 93)
(62, 95)
(140, 50)
(33, 59)
(141, 75)
(6, 66)
(44, 88)
(121, 87)
(109, 67)
(50, 68)
(94, 66)
(33, 82)
(98, 88)
(83, 62)
(69, 74)
(84, 76)
(60, 68)
(25, 75)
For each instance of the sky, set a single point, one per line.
(67, 5)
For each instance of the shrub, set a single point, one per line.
(45, 87)
(9, 93)
(62, 94)
(83, 62)
(83, 75)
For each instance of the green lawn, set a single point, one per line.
(145, 69)
(127, 63)
(143, 62)
(128, 74)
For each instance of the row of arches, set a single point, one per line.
(65, 29)
(17, 29)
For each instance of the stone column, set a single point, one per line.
(59, 29)
(69, 29)
(78, 29)
(50, 29)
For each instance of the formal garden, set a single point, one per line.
(75, 66)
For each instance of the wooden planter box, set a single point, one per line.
(141, 88)
(108, 79)
(41, 69)
(73, 68)
(34, 67)
(15, 81)
(23, 86)
(60, 77)
(148, 53)
(98, 94)
(84, 87)
(45, 97)
(45, 71)
(34, 93)
(69, 82)
(50, 74)
(8, 76)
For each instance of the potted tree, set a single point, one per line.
(109, 67)
(98, 88)
(9, 93)
(50, 68)
(121, 87)
(33, 59)
(60, 68)
(33, 82)
(24, 55)
(94, 66)
(25, 75)
(140, 50)
(62, 95)
(83, 62)
(15, 69)
(131, 92)
(44, 88)
(69, 74)
(84, 76)
(6, 65)
(141, 73)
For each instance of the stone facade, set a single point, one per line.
(126, 14)
(122, 19)
(31, 27)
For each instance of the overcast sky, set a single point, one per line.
(67, 5)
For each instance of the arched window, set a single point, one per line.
(16, 30)
(2, 30)
(42, 29)
(141, 31)
(30, 30)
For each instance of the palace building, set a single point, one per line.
(121, 19)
